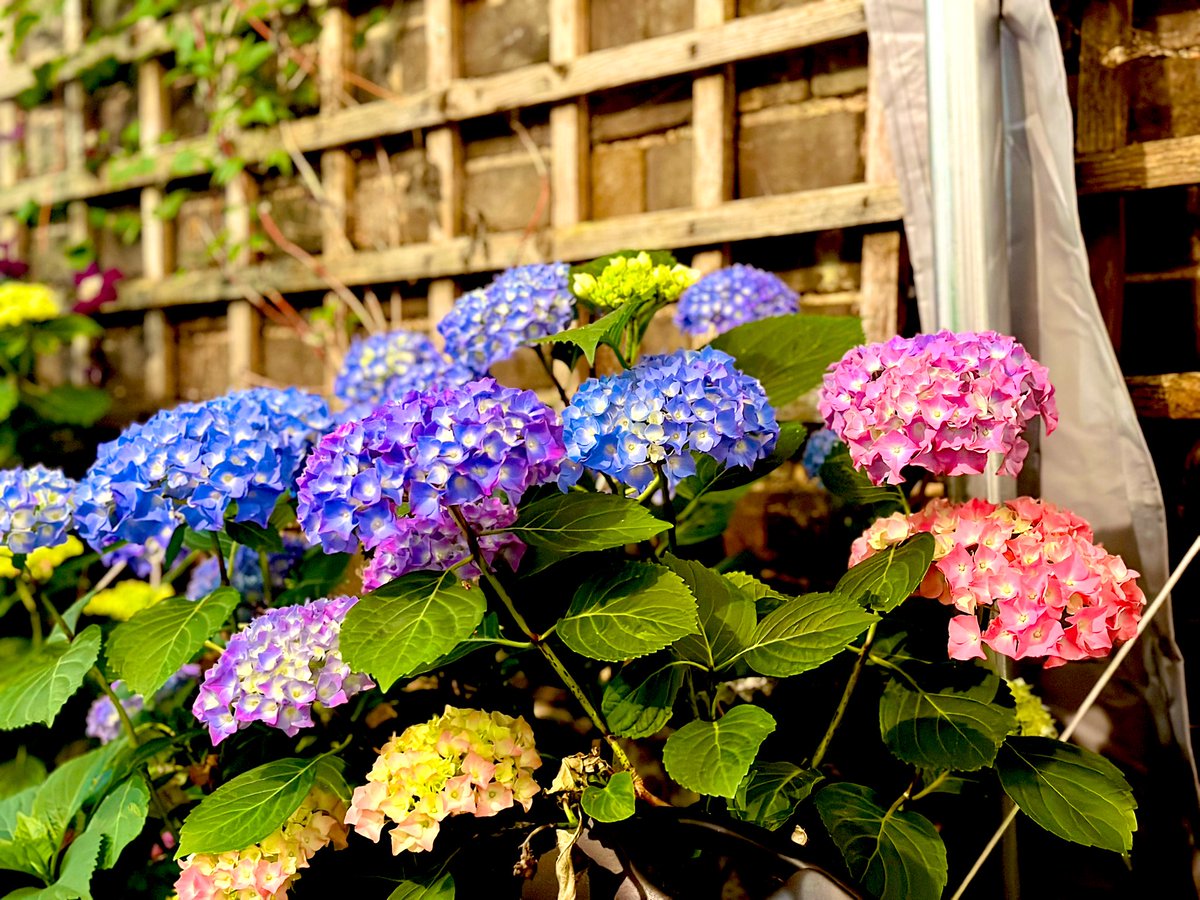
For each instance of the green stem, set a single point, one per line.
(851, 683)
(264, 562)
(904, 500)
(931, 787)
(181, 567)
(35, 619)
(649, 491)
(668, 506)
(216, 542)
(215, 647)
(902, 799)
(549, 367)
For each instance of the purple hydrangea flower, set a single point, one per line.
(35, 508)
(816, 450)
(189, 464)
(524, 303)
(387, 366)
(662, 410)
(439, 544)
(103, 723)
(421, 455)
(276, 668)
(247, 571)
(733, 296)
(140, 557)
(939, 401)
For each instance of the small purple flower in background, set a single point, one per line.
(660, 411)
(733, 296)
(421, 455)
(490, 324)
(439, 544)
(247, 577)
(387, 366)
(140, 558)
(35, 508)
(94, 287)
(816, 450)
(190, 463)
(103, 722)
(10, 266)
(276, 668)
(939, 401)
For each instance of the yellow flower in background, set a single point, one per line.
(41, 563)
(126, 599)
(628, 278)
(21, 301)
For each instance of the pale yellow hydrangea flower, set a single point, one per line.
(41, 563)
(21, 301)
(126, 599)
(629, 278)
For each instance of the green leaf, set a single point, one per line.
(21, 772)
(169, 208)
(789, 354)
(766, 598)
(638, 701)
(709, 517)
(1071, 792)
(120, 817)
(726, 616)
(957, 727)
(770, 793)
(69, 405)
(175, 628)
(605, 330)
(78, 866)
(713, 757)
(26, 844)
(612, 803)
(853, 486)
(804, 633)
(34, 688)
(247, 808)
(73, 784)
(894, 855)
(627, 612)
(68, 327)
(440, 889)
(575, 522)
(10, 396)
(409, 622)
(483, 636)
(712, 475)
(254, 536)
(318, 575)
(888, 578)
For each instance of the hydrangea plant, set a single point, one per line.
(487, 628)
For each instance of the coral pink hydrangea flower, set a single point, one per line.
(463, 762)
(269, 868)
(939, 401)
(1031, 569)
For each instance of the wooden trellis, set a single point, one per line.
(565, 87)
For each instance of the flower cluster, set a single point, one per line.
(276, 668)
(103, 722)
(22, 301)
(191, 463)
(41, 563)
(659, 411)
(634, 279)
(266, 870)
(464, 762)
(816, 450)
(10, 266)
(126, 599)
(1033, 716)
(439, 543)
(1050, 591)
(94, 287)
(422, 454)
(733, 296)
(387, 366)
(490, 324)
(940, 401)
(35, 508)
(247, 577)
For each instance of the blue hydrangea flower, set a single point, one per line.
(733, 296)
(439, 543)
(386, 366)
(662, 410)
(189, 464)
(35, 508)
(247, 577)
(103, 722)
(820, 443)
(276, 668)
(490, 324)
(422, 454)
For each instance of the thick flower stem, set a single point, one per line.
(216, 542)
(35, 619)
(668, 506)
(851, 683)
(264, 562)
(548, 365)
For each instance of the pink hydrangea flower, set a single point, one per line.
(939, 401)
(1029, 569)
(463, 762)
(267, 869)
